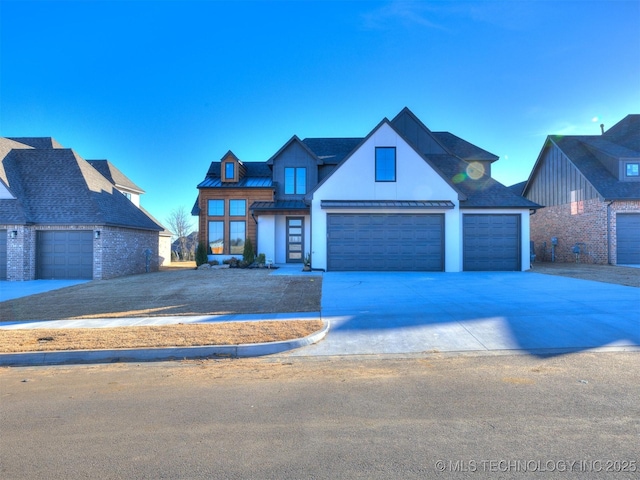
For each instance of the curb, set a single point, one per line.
(32, 359)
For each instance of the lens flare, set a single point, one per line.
(475, 170)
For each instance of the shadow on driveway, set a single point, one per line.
(393, 313)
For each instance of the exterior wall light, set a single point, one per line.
(97, 234)
(14, 234)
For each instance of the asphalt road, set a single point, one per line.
(568, 416)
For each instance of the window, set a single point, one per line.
(236, 237)
(216, 237)
(385, 164)
(229, 171)
(633, 169)
(237, 208)
(295, 181)
(215, 208)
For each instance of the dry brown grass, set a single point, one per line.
(180, 335)
(627, 276)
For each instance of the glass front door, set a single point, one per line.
(295, 239)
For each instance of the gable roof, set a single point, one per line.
(37, 142)
(57, 186)
(332, 150)
(590, 154)
(292, 140)
(256, 175)
(115, 176)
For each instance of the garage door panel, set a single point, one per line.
(62, 254)
(628, 238)
(386, 242)
(491, 242)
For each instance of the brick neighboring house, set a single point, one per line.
(589, 186)
(60, 217)
(401, 198)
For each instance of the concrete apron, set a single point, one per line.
(417, 313)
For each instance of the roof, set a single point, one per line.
(390, 204)
(257, 175)
(56, 186)
(115, 176)
(280, 205)
(37, 142)
(332, 150)
(463, 149)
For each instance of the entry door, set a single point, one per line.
(295, 239)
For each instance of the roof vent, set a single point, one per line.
(602, 128)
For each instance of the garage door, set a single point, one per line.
(491, 242)
(64, 254)
(385, 242)
(628, 238)
(3, 254)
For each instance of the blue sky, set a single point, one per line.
(163, 88)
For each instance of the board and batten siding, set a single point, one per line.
(558, 181)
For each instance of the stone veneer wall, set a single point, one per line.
(584, 222)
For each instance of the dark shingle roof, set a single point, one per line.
(332, 150)
(484, 192)
(463, 149)
(56, 186)
(626, 132)
(38, 142)
(580, 150)
(115, 176)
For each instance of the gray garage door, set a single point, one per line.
(3, 254)
(491, 242)
(628, 238)
(385, 242)
(64, 254)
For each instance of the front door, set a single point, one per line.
(295, 239)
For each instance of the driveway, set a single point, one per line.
(403, 313)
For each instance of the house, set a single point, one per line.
(590, 188)
(401, 198)
(63, 217)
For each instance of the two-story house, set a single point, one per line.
(590, 188)
(401, 198)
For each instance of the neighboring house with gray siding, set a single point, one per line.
(589, 186)
(60, 217)
(401, 198)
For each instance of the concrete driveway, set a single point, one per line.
(401, 313)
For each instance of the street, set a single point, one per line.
(432, 416)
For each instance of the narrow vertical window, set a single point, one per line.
(237, 235)
(229, 171)
(385, 164)
(216, 237)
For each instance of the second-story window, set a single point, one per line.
(237, 208)
(215, 208)
(295, 181)
(633, 169)
(229, 171)
(385, 164)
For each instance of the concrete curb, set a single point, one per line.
(32, 359)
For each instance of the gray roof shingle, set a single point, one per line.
(57, 186)
(109, 171)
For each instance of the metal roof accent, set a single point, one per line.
(389, 204)
(246, 182)
(281, 205)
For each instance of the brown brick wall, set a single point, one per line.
(584, 222)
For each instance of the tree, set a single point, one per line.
(179, 222)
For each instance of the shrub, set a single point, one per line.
(201, 254)
(261, 259)
(248, 255)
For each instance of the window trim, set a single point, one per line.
(395, 167)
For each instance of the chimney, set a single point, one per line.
(602, 128)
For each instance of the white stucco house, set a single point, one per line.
(402, 198)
